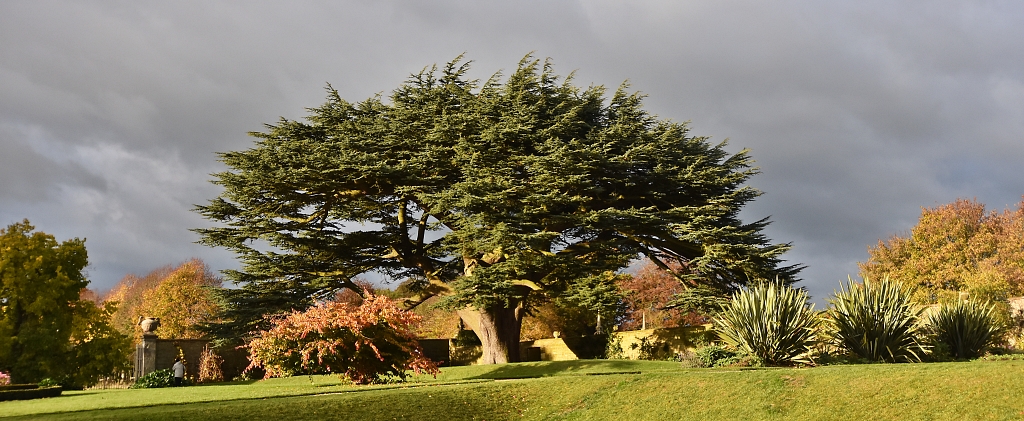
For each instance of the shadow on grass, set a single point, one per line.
(79, 393)
(231, 383)
(559, 368)
(456, 404)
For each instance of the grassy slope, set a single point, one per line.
(954, 391)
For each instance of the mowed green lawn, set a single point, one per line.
(583, 390)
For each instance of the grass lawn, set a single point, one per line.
(582, 390)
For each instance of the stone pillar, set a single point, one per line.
(145, 351)
(145, 356)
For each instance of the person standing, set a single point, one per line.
(179, 371)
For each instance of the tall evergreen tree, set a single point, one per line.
(487, 193)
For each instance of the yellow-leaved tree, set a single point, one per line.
(956, 248)
(182, 297)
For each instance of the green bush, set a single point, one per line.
(771, 322)
(965, 328)
(48, 382)
(156, 379)
(709, 356)
(876, 321)
(613, 348)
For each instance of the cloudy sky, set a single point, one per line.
(858, 113)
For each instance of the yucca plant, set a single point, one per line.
(877, 320)
(770, 321)
(966, 327)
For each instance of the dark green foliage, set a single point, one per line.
(769, 321)
(156, 379)
(490, 194)
(46, 329)
(48, 382)
(577, 311)
(40, 281)
(97, 348)
(591, 297)
(877, 321)
(964, 328)
(30, 392)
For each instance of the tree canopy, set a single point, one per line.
(956, 247)
(649, 297)
(46, 329)
(487, 193)
(182, 296)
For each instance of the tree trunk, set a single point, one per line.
(498, 329)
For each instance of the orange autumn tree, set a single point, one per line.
(956, 247)
(434, 322)
(182, 297)
(365, 343)
(647, 294)
(128, 296)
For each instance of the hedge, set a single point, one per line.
(31, 391)
(19, 386)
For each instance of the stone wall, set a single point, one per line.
(664, 343)
(635, 344)
(169, 349)
(552, 349)
(157, 354)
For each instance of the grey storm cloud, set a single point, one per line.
(858, 114)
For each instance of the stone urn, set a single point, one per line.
(149, 325)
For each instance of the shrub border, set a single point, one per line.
(29, 391)
(22, 386)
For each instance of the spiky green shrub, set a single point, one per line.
(877, 321)
(967, 328)
(770, 321)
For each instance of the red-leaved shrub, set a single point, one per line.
(364, 343)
